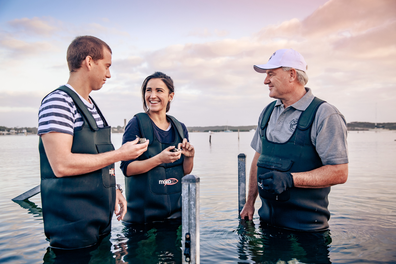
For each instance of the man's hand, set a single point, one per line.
(131, 150)
(275, 182)
(247, 212)
(120, 206)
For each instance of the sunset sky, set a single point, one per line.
(208, 48)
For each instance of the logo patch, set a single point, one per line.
(293, 124)
(112, 172)
(170, 181)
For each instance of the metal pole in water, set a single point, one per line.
(190, 219)
(27, 194)
(241, 182)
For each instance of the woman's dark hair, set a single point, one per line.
(84, 46)
(166, 79)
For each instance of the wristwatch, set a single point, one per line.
(118, 187)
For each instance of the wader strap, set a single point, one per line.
(178, 126)
(146, 128)
(305, 122)
(81, 107)
(99, 112)
(308, 116)
(267, 115)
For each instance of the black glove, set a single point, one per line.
(276, 182)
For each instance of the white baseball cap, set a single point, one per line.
(283, 58)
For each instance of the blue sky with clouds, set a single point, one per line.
(208, 48)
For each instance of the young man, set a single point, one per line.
(301, 150)
(78, 188)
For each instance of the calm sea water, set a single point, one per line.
(362, 224)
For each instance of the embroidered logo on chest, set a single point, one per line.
(293, 125)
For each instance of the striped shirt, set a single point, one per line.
(58, 113)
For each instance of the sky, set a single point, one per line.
(209, 48)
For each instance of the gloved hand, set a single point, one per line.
(276, 182)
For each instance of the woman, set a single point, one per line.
(153, 181)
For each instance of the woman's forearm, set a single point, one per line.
(188, 165)
(142, 166)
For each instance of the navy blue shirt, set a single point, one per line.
(133, 129)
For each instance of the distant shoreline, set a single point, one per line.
(353, 126)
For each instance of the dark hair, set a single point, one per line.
(165, 78)
(84, 46)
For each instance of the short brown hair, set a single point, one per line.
(165, 78)
(84, 46)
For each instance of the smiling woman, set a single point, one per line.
(153, 181)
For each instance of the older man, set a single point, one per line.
(301, 150)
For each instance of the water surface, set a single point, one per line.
(362, 224)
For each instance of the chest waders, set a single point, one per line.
(77, 210)
(156, 194)
(303, 209)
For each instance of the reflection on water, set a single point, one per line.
(97, 254)
(273, 245)
(153, 243)
(362, 223)
(31, 207)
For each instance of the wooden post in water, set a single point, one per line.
(190, 219)
(241, 182)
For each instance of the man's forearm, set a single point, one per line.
(65, 163)
(253, 191)
(77, 164)
(322, 177)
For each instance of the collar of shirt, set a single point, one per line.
(301, 104)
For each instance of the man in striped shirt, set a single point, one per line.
(76, 155)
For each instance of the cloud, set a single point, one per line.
(34, 26)
(19, 109)
(343, 42)
(26, 37)
(15, 49)
(206, 33)
(349, 46)
(20, 99)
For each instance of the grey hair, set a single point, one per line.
(302, 76)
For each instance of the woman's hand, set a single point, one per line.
(187, 149)
(168, 156)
